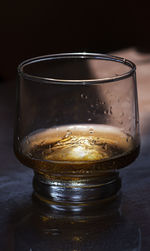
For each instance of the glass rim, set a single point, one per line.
(86, 55)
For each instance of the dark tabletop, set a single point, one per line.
(28, 227)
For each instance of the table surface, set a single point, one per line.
(21, 227)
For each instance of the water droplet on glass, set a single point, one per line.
(27, 140)
(122, 114)
(68, 133)
(76, 238)
(128, 138)
(105, 147)
(89, 119)
(30, 154)
(84, 96)
(105, 111)
(54, 231)
(110, 110)
(92, 106)
(91, 130)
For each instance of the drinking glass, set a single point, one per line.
(77, 124)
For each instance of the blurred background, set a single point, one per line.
(34, 28)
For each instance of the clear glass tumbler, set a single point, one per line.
(77, 124)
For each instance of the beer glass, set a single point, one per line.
(77, 124)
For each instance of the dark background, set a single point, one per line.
(34, 28)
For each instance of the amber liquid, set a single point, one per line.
(77, 150)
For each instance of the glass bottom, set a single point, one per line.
(72, 195)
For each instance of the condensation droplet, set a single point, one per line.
(29, 154)
(92, 106)
(105, 147)
(89, 119)
(110, 110)
(53, 231)
(105, 111)
(128, 138)
(76, 238)
(68, 134)
(91, 130)
(27, 140)
(122, 114)
(83, 96)
(50, 146)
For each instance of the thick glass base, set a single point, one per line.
(74, 194)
